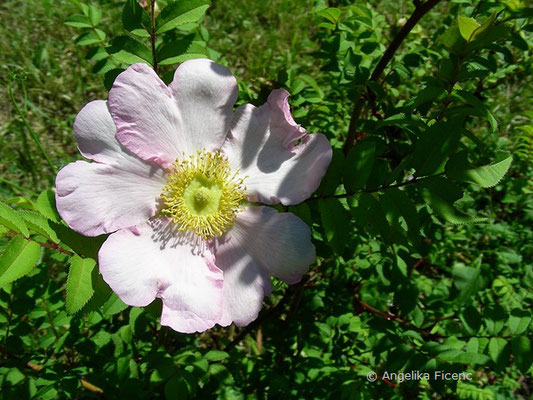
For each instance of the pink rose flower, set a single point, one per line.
(174, 174)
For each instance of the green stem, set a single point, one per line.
(32, 132)
(17, 186)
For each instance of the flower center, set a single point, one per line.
(202, 194)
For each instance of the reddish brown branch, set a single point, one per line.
(416, 16)
(53, 246)
(392, 385)
(393, 317)
(56, 247)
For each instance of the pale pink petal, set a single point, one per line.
(262, 143)
(95, 132)
(279, 242)
(245, 283)
(205, 93)
(146, 115)
(97, 198)
(262, 242)
(151, 260)
(160, 123)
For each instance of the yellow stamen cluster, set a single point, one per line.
(202, 194)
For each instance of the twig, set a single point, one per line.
(90, 387)
(416, 16)
(153, 36)
(393, 317)
(373, 190)
(53, 246)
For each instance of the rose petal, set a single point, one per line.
(245, 283)
(261, 242)
(96, 198)
(205, 93)
(160, 123)
(151, 260)
(262, 145)
(146, 115)
(95, 131)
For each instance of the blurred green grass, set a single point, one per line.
(50, 81)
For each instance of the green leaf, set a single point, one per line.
(129, 51)
(434, 147)
(96, 54)
(105, 65)
(303, 211)
(359, 164)
(180, 13)
(216, 355)
(417, 316)
(46, 205)
(523, 353)
(10, 218)
(467, 27)
(182, 58)
(453, 39)
(495, 317)
(468, 281)
(397, 205)
(169, 52)
(79, 283)
(332, 179)
(406, 293)
(312, 82)
(39, 224)
(132, 15)
(335, 222)
(486, 35)
(513, 4)
(470, 316)
(176, 388)
(441, 194)
(499, 351)
(332, 14)
(460, 169)
(462, 357)
(102, 292)
(476, 105)
(135, 313)
(519, 321)
(88, 38)
(370, 216)
(428, 94)
(196, 49)
(82, 245)
(114, 305)
(19, 258)
(110, 76)
(94, 15)
(351, 62)
(78, 21)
